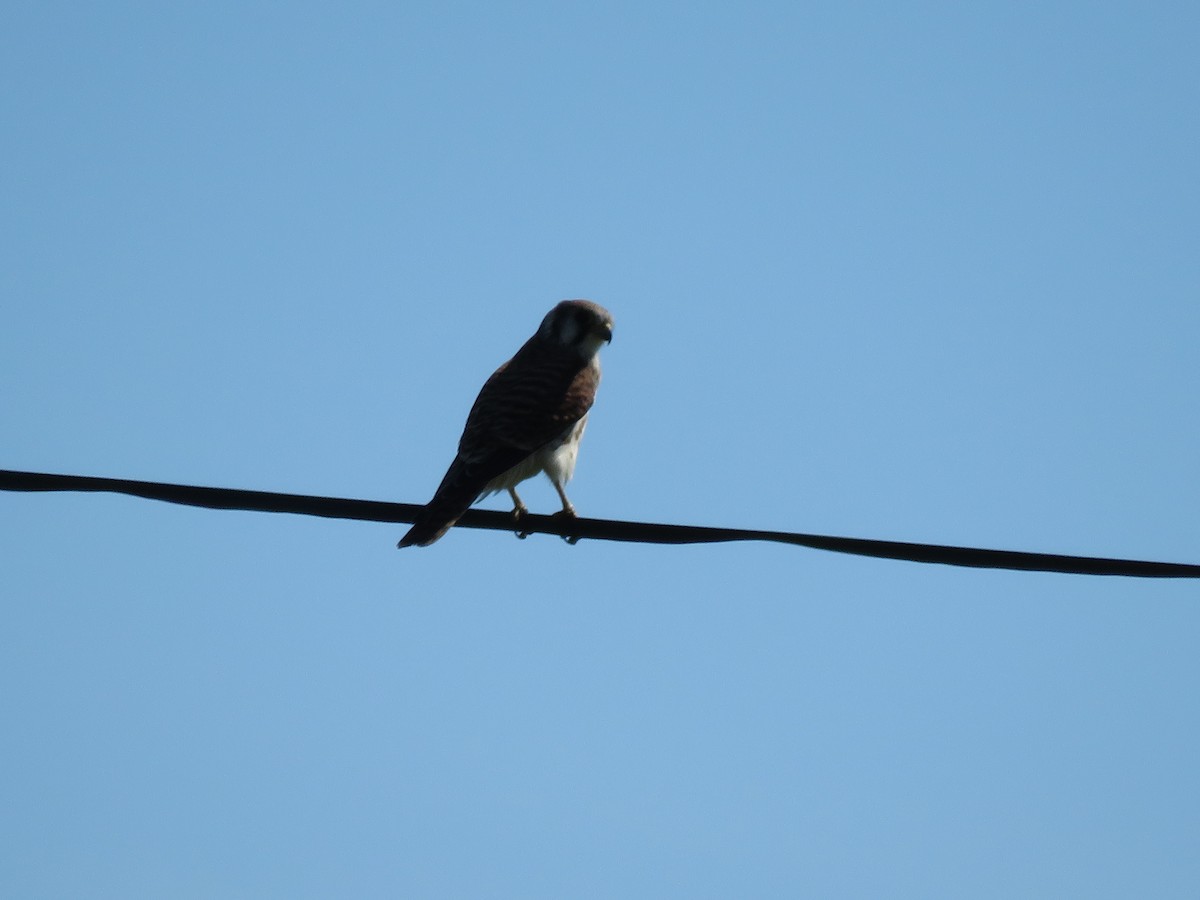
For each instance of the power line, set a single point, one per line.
(594, 529)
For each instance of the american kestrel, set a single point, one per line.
(528, 418)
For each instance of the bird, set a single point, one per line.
(529, 418)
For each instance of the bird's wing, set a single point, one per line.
(528, 402)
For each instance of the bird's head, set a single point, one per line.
(578, 324)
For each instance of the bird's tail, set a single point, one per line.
(453, 497)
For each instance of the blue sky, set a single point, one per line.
(914, 271)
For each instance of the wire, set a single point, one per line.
(595, 529)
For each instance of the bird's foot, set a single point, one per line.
(565, 516)
(519, 513)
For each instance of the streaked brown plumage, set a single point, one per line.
(528, 418)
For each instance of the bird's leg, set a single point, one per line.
(520, 511)
(567, 512)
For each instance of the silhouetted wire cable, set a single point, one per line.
(596, 529)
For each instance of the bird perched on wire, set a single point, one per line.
(529, 418)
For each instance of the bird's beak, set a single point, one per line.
(605, 331)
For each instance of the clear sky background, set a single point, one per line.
(926, 272)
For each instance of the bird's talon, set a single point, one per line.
(564, 516)
(519, 513)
